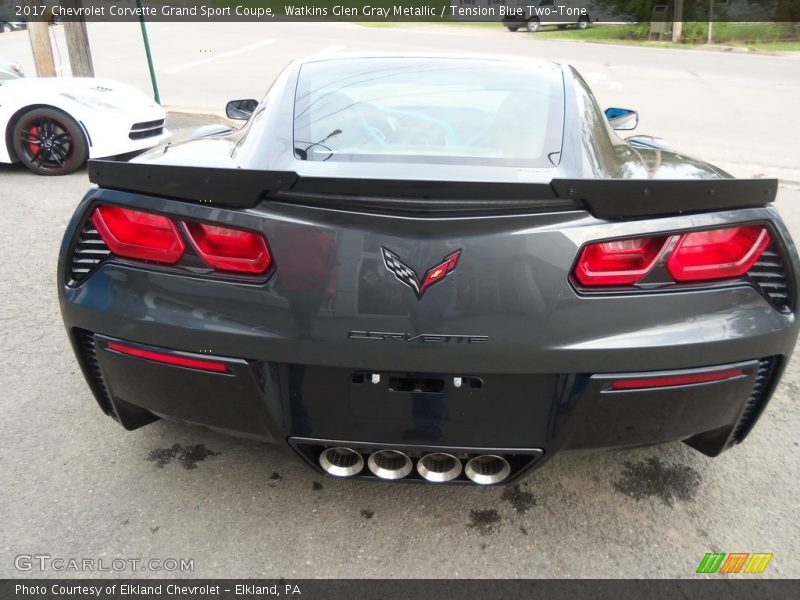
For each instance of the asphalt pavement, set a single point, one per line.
(75, 485)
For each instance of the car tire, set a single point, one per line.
(6, 28)
(583, 23)
(533, 25)
(49, 142)
(511, 28)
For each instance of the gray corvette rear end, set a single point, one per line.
(388, 271)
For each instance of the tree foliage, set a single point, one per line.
(699, 10)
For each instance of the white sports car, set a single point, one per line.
(53, 125)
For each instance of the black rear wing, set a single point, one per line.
(603, 198)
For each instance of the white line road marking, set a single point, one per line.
(204, 61)
(595, 76)
(601, 78)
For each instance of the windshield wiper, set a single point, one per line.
(302, 153)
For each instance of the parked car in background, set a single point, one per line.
(9, 26)
(52, 125)
(9, 21)
(557, 13)
(10, 70)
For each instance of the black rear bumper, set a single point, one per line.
(504, 354)
(527, 416)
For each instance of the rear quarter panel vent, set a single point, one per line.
(771, 277)
(89, 251)
(762, 388)
(88, 353)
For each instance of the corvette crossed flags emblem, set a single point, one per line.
(406, 275)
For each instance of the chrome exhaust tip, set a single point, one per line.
(389, 464)
(487, 469)
(341, 462)
(439, 467)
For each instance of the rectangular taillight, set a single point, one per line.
(138, 235)
(722, 253)
(142, 235)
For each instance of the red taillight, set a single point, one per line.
(620, 262)
(146, 236)
(169, 359)
(639, 383)
(229, 249)
(717, 254)
(136, 234)
(696, 256)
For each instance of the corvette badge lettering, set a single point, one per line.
(421, 337)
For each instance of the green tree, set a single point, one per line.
(642, 10)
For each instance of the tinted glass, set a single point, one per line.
(429, 110)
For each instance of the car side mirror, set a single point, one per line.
(241, 110)
(622, 119)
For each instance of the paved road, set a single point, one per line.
(74, 485)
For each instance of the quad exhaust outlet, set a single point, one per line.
(341, 462)
(487, 469)
(389, 464)
(444, 465)
(439, 467)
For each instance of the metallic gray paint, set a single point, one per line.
(548, 347)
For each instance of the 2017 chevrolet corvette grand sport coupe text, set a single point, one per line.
(439, 269)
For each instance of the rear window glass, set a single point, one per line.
(429, 110)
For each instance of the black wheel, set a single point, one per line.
(49, 142)
(561, 26)
(511, 28)
(583, 23)
(533, 25)
(6, 28)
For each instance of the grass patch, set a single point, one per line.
(753, 35)
(596, 33)
(766, 37)
(787, 46)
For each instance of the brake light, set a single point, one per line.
(718, 253)
(620, 262)
(227, 249)
(136, 234)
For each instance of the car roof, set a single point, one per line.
(466, 56)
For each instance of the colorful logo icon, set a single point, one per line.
(406, 275)
(735, 562)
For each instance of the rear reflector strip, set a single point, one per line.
(169, 359)
(673, 380)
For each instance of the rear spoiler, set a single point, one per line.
(603, 198)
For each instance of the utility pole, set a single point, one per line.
(80, 56)
(710, 21)
(150, 67)
(677, 22)
(42, 50)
